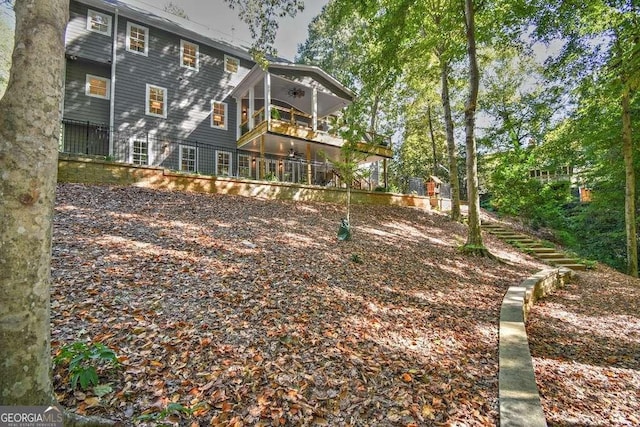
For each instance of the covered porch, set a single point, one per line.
(284, 116)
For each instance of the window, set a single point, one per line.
(244, 165)
(189, 55)
(137, 39)
(218, 115)
(223, 163)
(98, 87)
(140, 153)
(187, 158)
(231, 64)
(156, 104)
(99, 22)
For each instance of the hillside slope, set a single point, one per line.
(250, 312)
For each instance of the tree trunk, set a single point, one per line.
(433, 142)
(29, 131)
(474, 238)
(451, 142)
(630, 185)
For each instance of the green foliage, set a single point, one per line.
(83, 359)
(172, 409)
(356, 259)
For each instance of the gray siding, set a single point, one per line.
(83, 43)
(78, 105)
(189, 92)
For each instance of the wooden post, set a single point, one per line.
(314, 109)
(309, 164)
(261, 167)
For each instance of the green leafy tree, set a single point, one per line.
(602, 44)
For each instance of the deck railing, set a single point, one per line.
(192, 156)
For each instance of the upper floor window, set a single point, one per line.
(218, 115)
(156, 102)
(137, 39)
(189, 55)
(231, 64)
(97, 86)
(99, 22)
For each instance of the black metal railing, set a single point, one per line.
(88, 138)
(190, 156)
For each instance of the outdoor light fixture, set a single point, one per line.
(296, 92)
(292, 153)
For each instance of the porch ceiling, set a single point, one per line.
(281, 145)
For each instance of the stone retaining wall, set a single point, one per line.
(95, 171)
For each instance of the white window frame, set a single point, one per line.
(230, 166)
(94, 13)
(182, 64)
(147, 110)
(146, 39)
(195, 158)
(228, 59)
(132, 158)
(248, 167)
(226, 115)
(87, 87)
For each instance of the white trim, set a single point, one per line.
(146, 39)
(182, 64)
(226, 115)
(164, 103)
(132, 142)
(87, 86)
(195, 160)
(112, 102)
(228, 58)
(248, 157)
(94, 13)
(230, 156)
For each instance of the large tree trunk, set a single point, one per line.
(433, 142)
(29, 130)
(630, 185)
(451, 142)
(474, 238)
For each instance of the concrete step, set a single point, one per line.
(541, 250)
(562, 261)
(576, 267)
(550, 255)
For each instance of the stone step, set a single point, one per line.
(562, 261)
(576, 267)
(550, 255)
(541, 250)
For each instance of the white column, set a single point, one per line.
(252, 108)
(238, 117)
(267, 99)
(314, 109)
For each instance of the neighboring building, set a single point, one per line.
(155, 89)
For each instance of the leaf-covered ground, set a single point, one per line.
(585, 340)
(232, 311)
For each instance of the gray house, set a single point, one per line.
(154, 89)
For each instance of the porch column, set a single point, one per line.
(267, 99)
(250, 113)
(384, 171)
(261, 160)
(309, 164)
(314, 109)
(238, 118)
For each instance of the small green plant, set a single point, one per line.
(271, 177)
(172, 409)
(82, 360)
(356, 258)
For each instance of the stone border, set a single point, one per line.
(518, 393)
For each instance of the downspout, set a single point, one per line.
(112, 98)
